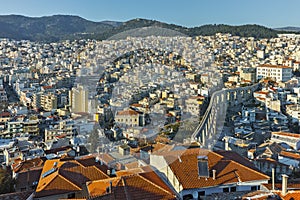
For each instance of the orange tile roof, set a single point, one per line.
(261, 92)
(134, 171)
(27, 164)
(146, 185)
(136, 105)
(229, 166)
(47, 87)
(105, 157)
(290, 155)
(5, 114)
(295, 135)
(290, 195)
(68, 175)
(127, 112)
(132, 165)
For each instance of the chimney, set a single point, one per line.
(214, 174)
(273, 179)
(284, 184)
(226, 143)
(110, 186)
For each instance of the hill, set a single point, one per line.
(50, 28)
(289, 29)
(62, 27)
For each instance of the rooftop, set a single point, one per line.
(127, 112)
(66, 175)
(230, 168)
(275, 66)
(140, 185)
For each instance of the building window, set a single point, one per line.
(71, 195)
(201, 193)
(253, 188)
(233, 189)
(225, 189)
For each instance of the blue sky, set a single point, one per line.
(271, 13)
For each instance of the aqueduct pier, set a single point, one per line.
(213, 119)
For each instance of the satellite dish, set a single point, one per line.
(195, 195)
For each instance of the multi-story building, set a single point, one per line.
(48, 102)
(78, 98)
(36, 100)
(248, 74)
(292, 139)
(276, 72)
(65, 128)
(128, 118)
(29, 126)
(193, 105)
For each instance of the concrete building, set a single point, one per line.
(78, 98)
(248, 74)
(49, 102)
(129, 118)
(292, 139)
(193, 105)
(276, 72)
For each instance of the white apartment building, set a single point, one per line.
(78, 98)
(276, 72)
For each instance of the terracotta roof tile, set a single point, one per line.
(290, 195)
(28, 164)
(294, 135)
(146, 185)
(127, 112)
(68, 175)
(288, 154)
(229, 166)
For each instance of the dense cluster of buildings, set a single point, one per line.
(53, 97)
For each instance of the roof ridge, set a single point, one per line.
(43, 186)
(155, 184)
(69, 181)
(79, 163)
(250, 168)
(125, 189)
(94, 166)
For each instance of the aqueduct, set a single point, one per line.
(212, 122)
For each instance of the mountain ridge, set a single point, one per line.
(62, 27)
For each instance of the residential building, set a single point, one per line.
(196, 173)
(193, 105)
(78, 99)
(138, 183)
(66, 178)
(292, 139)
(276, 72)
(129, 118)
(48, 101)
